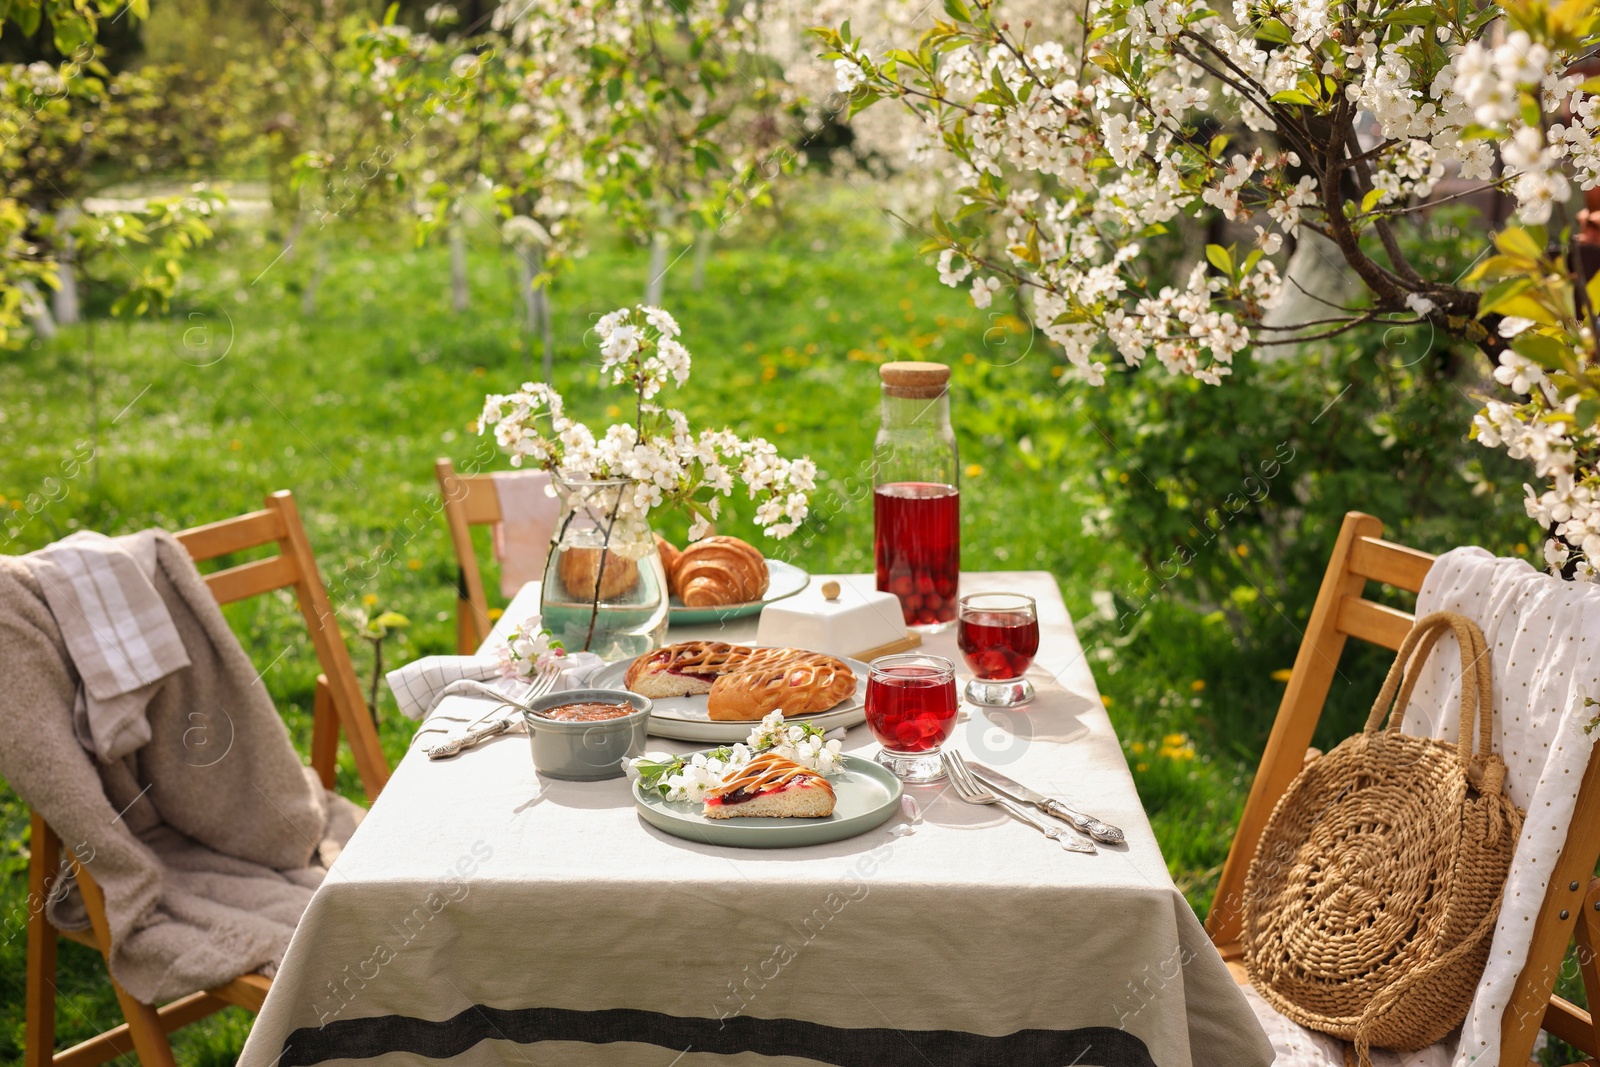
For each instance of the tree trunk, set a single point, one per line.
(67, 309)
(655, 281)
(293, 239)
(547, 332)
(460, 297)
(93, 375)
(37, 309)
(702, 253)
(308, 295)
(530, 260)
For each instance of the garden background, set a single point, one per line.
(1187, 525)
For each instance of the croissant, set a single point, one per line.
(719, 571)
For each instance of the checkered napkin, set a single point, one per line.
(117, 630)
(419, 685)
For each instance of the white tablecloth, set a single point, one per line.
(483, 914)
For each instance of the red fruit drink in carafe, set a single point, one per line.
(916, 496)
(917, 548)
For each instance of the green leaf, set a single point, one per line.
(1519, 242)
(1292, 96)
(1370, 201)
(1220, 258)
(27, 18)
(1502, 291)
(1412, 16)
(1542, 349)
(1273, 31)
(957, 10)
(72, 32)
(1588, 413)
(392, 620)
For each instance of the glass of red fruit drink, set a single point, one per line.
(998, 634)
(911, 710)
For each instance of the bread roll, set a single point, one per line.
(669, 560)
(579, 570)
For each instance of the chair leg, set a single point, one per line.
(144, 1021)
(324, 733)
(39, 1041)
(1586, 934)
(466, 628)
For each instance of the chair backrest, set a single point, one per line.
(469, 500)
(339, 703)
(1342, 612)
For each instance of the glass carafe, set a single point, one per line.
(916, 495)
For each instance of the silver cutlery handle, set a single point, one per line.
(1100, 831)
(1053, 832)
(453, 746)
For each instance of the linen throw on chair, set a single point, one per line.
(209, 838)
(529, 512)
(1372, 896)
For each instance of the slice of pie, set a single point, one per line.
(772, 787)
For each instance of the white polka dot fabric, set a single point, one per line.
(1544, 639)
(1298, 1047)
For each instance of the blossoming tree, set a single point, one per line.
(1077, 154)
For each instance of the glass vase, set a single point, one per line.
(604, 589)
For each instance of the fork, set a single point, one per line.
(543, 682)
(972, 791)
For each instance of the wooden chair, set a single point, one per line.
(1571, 907)
(337, 705)
(469, 500)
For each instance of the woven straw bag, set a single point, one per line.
(1373, 893)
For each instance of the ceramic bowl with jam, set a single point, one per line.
(585, 735)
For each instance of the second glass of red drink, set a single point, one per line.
(911, 710)
(998, 634)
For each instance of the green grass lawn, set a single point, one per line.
(238, 393)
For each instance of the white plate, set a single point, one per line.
(868, 796)
(783, 580)
(686, 718)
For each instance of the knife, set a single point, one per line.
(1101, 831)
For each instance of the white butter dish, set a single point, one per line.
(838, 617)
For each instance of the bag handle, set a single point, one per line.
(1476, 699)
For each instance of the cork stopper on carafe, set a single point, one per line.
(914, 380)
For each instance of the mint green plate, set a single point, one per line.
(867, 796)
(783, 580)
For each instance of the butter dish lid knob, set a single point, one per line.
(830, 590)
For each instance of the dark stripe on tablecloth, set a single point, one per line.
(1093, 1046)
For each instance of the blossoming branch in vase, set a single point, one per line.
(667, 463)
